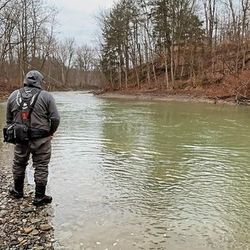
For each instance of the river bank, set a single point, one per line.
(214, 94)
(229, 91)
(23, 226)
(3, 96)
(165, 97)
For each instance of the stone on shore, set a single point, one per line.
(23, 226)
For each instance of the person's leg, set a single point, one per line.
(41, 153)
(21, 158)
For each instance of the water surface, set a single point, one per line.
(150, 175)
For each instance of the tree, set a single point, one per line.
(64, 56)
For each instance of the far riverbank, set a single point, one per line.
(147, 95)
(144, 96)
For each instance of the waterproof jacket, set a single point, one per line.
(45, 115)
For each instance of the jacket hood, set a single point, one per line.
(34, 79)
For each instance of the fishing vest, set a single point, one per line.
(19, 130)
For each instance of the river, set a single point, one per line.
(149, 175)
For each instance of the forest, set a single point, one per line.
(177, 45)
(28, 41)
(186, 45)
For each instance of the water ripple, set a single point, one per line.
(156, 175)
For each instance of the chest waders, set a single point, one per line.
(23, 133)
(19, 131)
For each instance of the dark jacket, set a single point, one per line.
(45, 115)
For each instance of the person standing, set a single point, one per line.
(35, 108)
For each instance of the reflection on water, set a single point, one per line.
(141, 175)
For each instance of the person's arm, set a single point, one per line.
(53, 115)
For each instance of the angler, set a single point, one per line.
(32, 118)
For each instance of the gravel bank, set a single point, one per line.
(23, 226)
(163, 98)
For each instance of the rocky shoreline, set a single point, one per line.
(23, 226)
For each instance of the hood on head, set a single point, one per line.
(33, 79)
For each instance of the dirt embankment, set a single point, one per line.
(168, 97)
(187, 95)
(154, 96)
(233, 89)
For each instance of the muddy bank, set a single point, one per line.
(166, 97)
(23, 226)
(4, 96)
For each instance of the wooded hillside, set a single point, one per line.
(145, 44)
(177, 44)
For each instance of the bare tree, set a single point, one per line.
(64, 56)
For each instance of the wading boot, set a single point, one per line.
(40, 197)
(17, 191)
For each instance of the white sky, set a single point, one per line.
(77, 18)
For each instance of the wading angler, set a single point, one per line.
(31, 120)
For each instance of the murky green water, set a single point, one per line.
(148, 175)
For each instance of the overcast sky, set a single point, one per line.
(77, 18)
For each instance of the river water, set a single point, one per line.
(149, 175)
